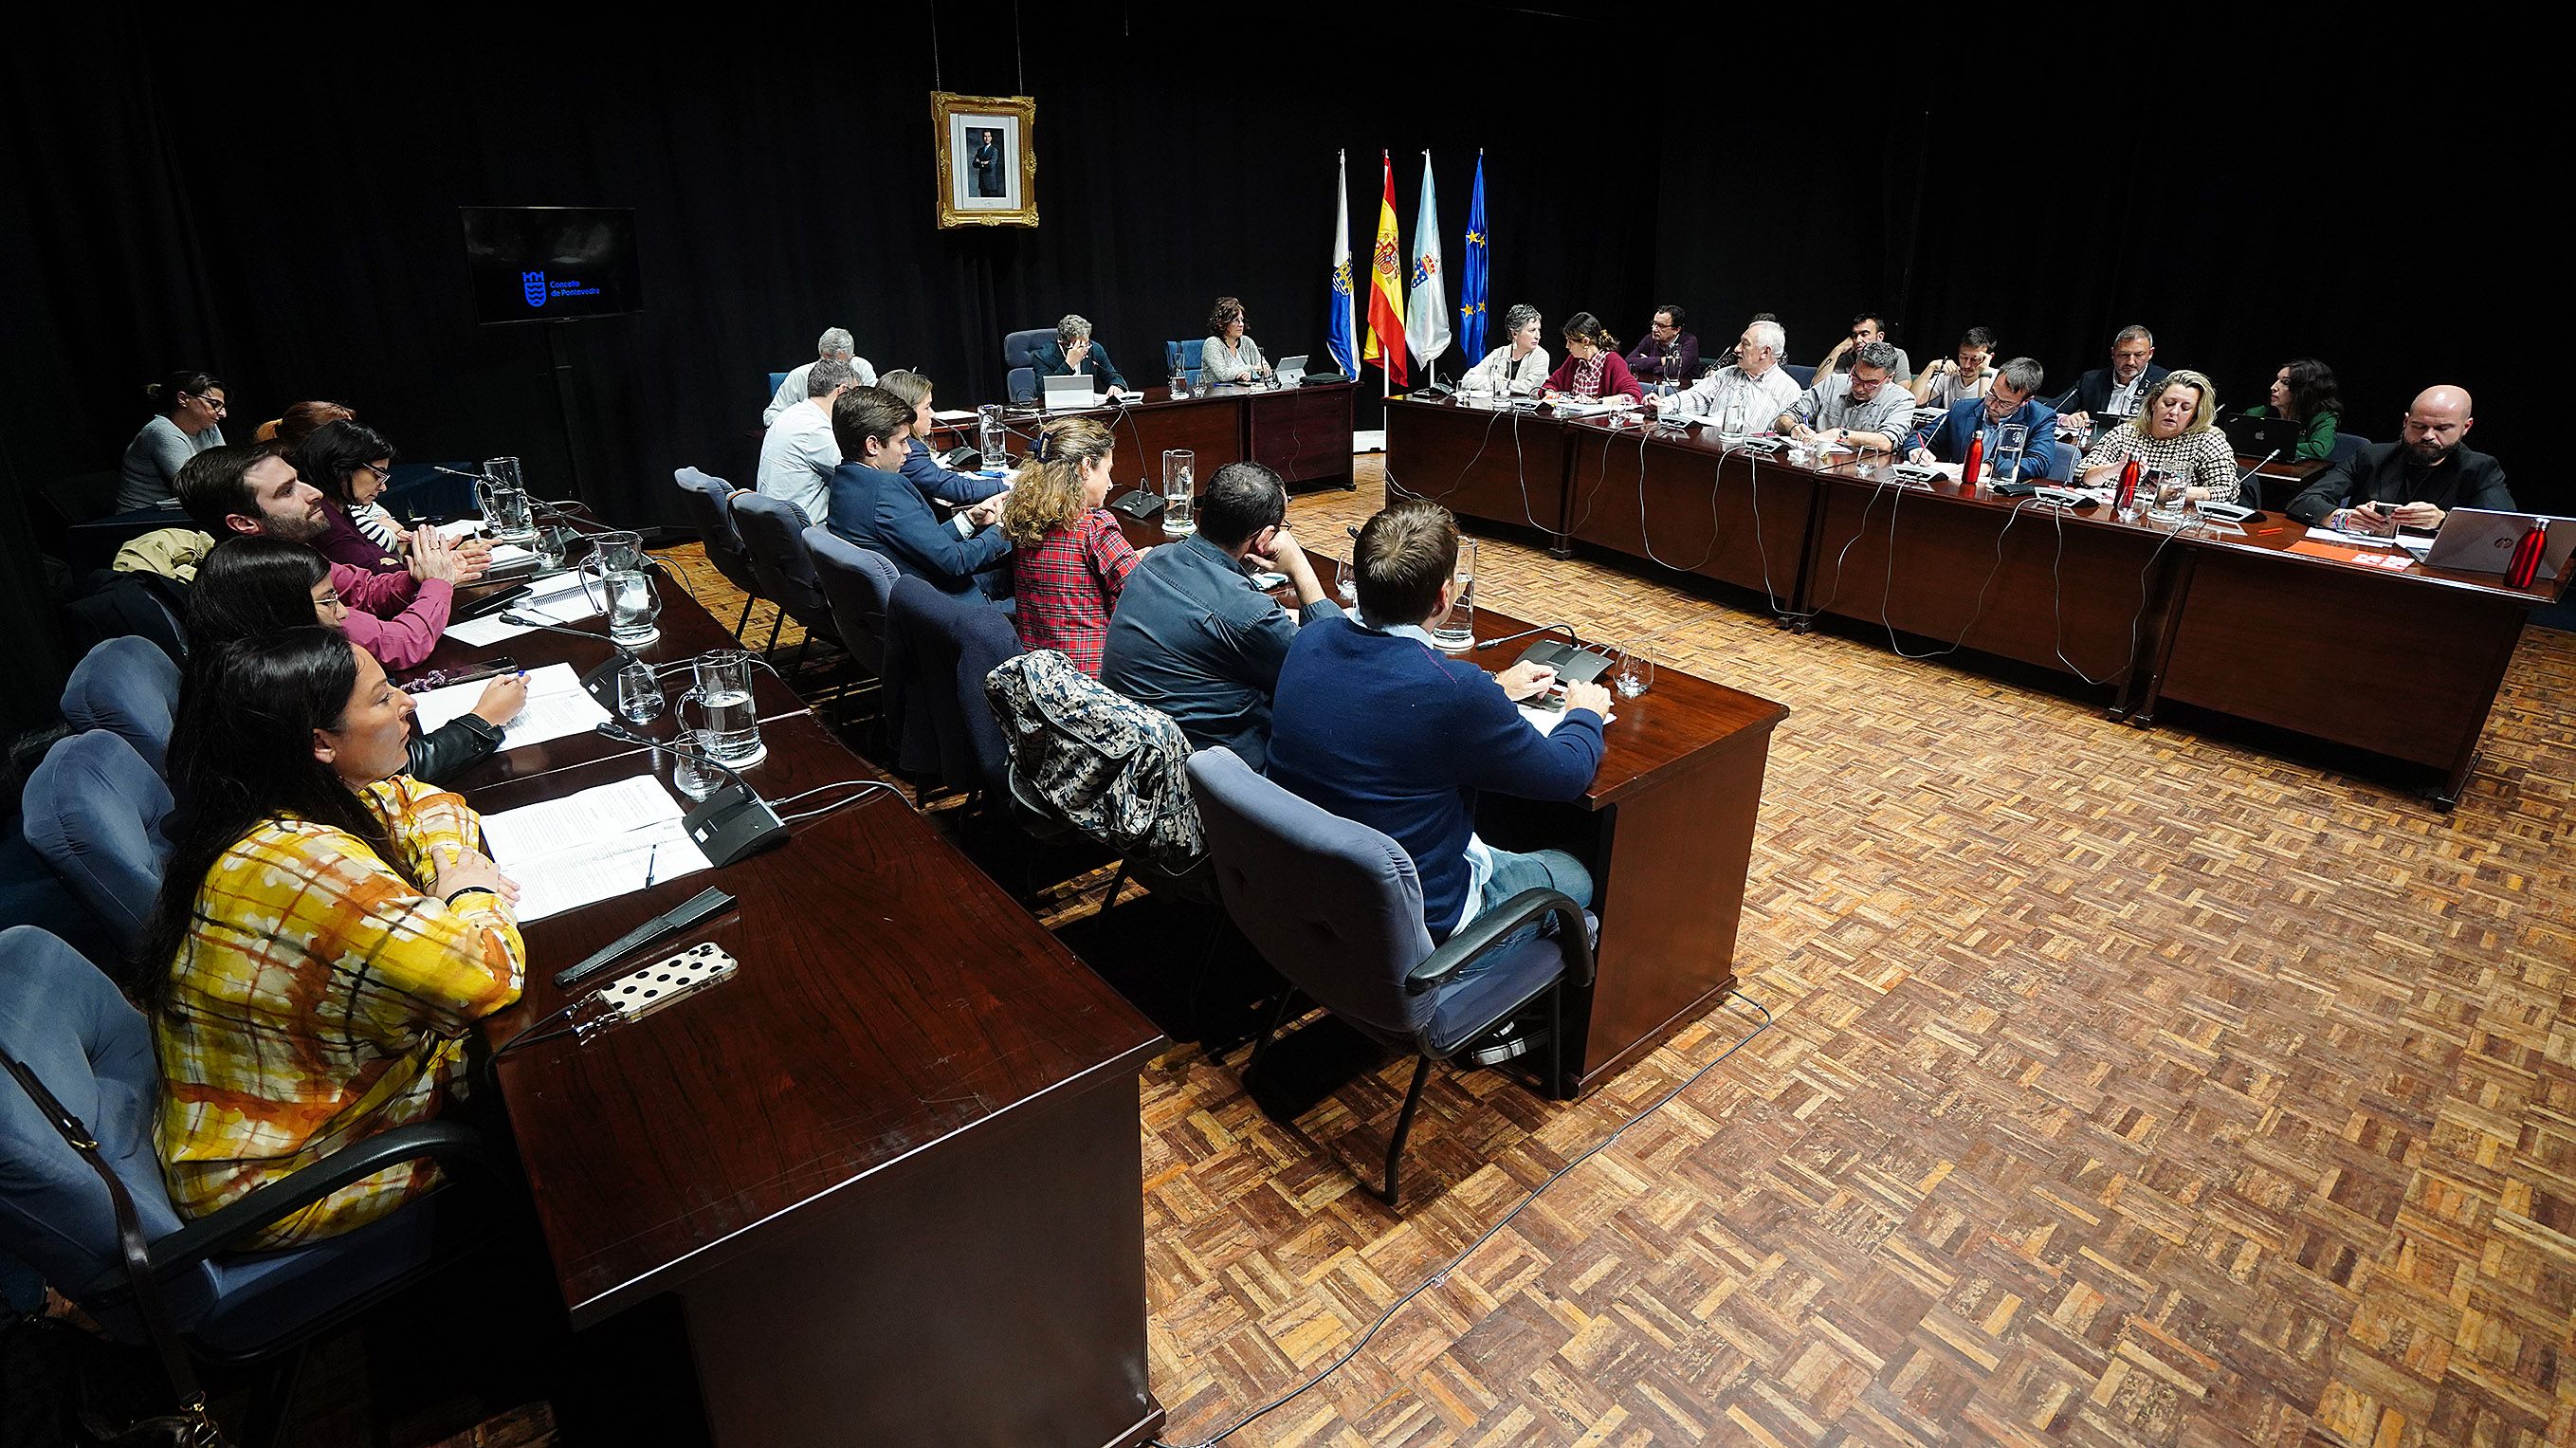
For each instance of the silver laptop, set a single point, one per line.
(1070, 392)
(1292, 371)
(2480, 540)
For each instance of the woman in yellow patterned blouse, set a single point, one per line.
(327, 932)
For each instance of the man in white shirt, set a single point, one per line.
(1756, 380)
(799, 453)
(836, 345)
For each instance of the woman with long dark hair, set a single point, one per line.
(187, 417)
(2305, 391)
(327, 931)
(350, 463)
(1593, 370)
(252, 585)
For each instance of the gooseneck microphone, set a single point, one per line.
(1566, 629)
(727, 825)
(599, 682)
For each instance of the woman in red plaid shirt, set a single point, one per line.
(1068, 557)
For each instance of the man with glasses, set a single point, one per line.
(2415, 481)
(2006, 404)
(1866, 328)
(1666, 353)
(1754, 387)
(1861, 410)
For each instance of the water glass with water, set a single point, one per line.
(2170, 494)
(1346, 584)
(1732, 423)
(1456, 633)
(612, 552)
(991, 439)
(1179, 493)
(1634, 672)
(639, 693)
(505, 502)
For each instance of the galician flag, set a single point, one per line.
(1426, 310)
(1386, 294)
(1341, 326)
(1471, 290)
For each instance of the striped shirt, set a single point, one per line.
(319, 998)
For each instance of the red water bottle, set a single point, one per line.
(1975, 466)
(2525, 567)
(2128, 486)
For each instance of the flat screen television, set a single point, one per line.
(551, 263)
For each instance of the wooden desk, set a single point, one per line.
(1503, 465)
(889, 1170)
(1686, 501)
(1301, 433)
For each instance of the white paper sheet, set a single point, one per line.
(557, 598)
(592, 845)
(558, 707)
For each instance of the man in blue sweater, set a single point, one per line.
(1378, 726)
(875, 507)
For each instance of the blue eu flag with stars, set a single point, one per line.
(1471, 290)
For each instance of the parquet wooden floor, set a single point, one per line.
(2127, 1087)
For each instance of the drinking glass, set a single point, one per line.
(728, 723)
(990, 438)
(613, 552)
(1346, 584)
(639, 693)
(2011, 447)
(1733, 424)
(1634, 672)
(634, 609)
(506, 506)
(1179, 493)
(2170, 497)
(1456, 633)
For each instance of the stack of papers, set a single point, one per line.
(557, 708)
(592, 846)
(556, 598)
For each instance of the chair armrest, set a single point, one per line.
(448, 1143)
(1487, 930)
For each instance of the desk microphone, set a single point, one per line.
(2250, 472)
(457, 472)
(729, 824)
(1566, 629)
(600, 682)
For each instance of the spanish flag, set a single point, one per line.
(1386, 285)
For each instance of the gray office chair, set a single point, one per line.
(1337, 909)
(95, 810)
(127, 685)
(773, 533)
(2345, 444)
(1803, 375)
(707, 500)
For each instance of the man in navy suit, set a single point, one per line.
(2007, 402)
(1374, 723)
(875, 506)
(2119, 390)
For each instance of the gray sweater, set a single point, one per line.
(150, 473)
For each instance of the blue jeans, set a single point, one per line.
(1540, 869)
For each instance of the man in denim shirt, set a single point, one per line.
(1193, 638)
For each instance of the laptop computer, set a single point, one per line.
(2480, 540)
(1292, 370)
(2254, 437)
(1072, 391)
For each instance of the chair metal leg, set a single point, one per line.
(1117, 882)
(745, 621)
(769, 650)
(1403, 1127)
(798, 667)
(1278, 1018)
(1556, 1040)
(272, 1401)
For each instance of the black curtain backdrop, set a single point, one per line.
(275, 197)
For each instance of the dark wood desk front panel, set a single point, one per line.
(1681, 502)
(1503, 466)
(1303, 434)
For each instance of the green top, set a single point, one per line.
(2316, 440)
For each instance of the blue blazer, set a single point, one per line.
(887, 512)
(1948, 438)
(1097, 366)
(1388, 732)
(924, 472)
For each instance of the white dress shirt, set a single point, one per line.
(1764, 397)
(791, 390)
(1494, 375)
(796, 460)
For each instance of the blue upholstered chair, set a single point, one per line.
(94, 810)
(2345, 444)
(707, 500)
(1020, 351)
(858, 582)
(66, 1022)
(1336, 908)
(1804, 376)
(129, 686)
(773, 533)
(1190, 357)
(2062, 458)
(776, 380)
(939, 648)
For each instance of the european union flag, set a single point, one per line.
(1471, 287)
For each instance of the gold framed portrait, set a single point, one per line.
(988, 168)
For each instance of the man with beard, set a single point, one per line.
(397, 617)
(2414, 481)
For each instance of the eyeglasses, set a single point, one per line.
(213, 404)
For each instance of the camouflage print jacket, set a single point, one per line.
(1110, 767)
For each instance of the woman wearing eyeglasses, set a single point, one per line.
(188, 410)
(350, 463)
